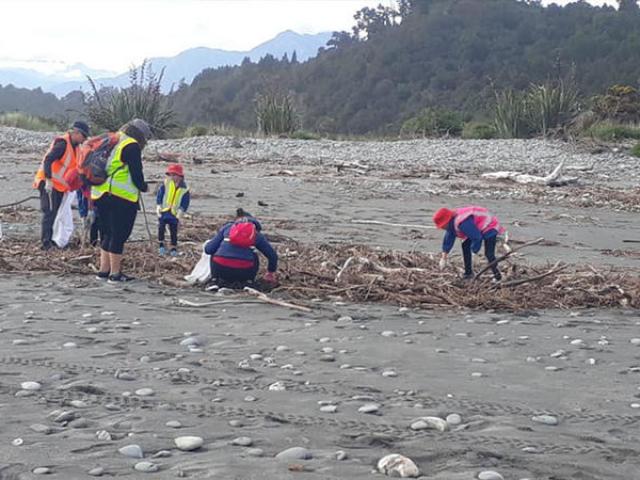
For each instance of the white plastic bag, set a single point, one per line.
(63, 224)
(201, 273)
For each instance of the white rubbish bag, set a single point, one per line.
(201, 273)
(63, 224)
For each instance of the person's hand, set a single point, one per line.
(270, 277)
(443, 262)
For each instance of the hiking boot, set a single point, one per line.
(173, 252)
(120, 278)
(162, 250)
(103, 275)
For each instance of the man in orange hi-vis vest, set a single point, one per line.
(49, 179)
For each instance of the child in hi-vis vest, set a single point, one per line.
(172, 203)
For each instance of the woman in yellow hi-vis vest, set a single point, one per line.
(117, 199)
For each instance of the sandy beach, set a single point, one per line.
(89, 371)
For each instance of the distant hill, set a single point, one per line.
(430, 53)
(184, 66)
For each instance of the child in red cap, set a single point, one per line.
(473, 225)
(172, 203)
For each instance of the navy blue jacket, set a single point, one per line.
(217, 246)
(468, 227)
(184, 202)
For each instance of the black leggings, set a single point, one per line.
(173, 231)
(49, 205)
(489, 252)
(228, 275)
(117, 217)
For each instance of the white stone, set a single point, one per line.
(369, 408)
(146, 467)
(389, 373)
(430, 423)
(545, 419)
(295, 453)
(282, 348)
(635, 341)
(187, 444)
(396, 465)
(454, 419)
(173, 424)
(30, 386)
(242, 442)
(132, 451)
(329, 409)
(490, 475)
(70, 345)
(277, 387)
(144, 392)
(388, 333)
(41, 470)
(96, 472)
(104, 436)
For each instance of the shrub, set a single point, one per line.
(551, 105)
(621, 103)
(305, 135)
(635, 151)
(196, 131)
(111, 108)
(511, 119)
(479, 131)
(28, 122)
(610, 131)
(433, 123)
(275, 113)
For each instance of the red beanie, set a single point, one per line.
(442, 217)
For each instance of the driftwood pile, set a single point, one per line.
(339, 272)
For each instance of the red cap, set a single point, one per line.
(442, 217)
(175, 169)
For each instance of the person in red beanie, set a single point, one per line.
(172, 203)
(473, 225)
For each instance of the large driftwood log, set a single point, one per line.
(554, 179)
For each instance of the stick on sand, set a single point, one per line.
(507, 255)
(265, 298)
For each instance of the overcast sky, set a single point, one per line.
(114, 34)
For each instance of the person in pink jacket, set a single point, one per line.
(474, 226)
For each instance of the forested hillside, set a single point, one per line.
(428, 53)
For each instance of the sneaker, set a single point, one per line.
(173, 252)
(162, 250)
(468, 276)
(120, 277)
(103, 275)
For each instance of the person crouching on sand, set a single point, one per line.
(234, 261)
(473, 225)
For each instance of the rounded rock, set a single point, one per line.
(187, 444)
(145, 392)
(173, 424)
(454, 419)
(545, 419)
(132, 451)
(490, 475)
(42, 470)
(295, 453)
(32, 386)
(369, 408)
(96, 472)
(146, 467)
(242, 442)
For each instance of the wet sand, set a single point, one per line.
(219, 371)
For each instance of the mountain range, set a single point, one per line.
(184, 66)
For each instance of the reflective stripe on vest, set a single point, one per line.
(483, 220)
(58, 167)
(119, 181)
(172, 197)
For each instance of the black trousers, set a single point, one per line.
(49, 205)
(173, 231)
(117, 217)
(232, 276)
(489, 252)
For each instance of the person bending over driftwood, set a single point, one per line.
(234, 261)
(473, 225)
